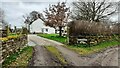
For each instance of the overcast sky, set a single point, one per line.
(15, 9)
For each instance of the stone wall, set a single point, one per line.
(11, 46)
(3, 33)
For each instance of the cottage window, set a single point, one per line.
(46, 30)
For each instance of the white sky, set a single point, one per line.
(15, 9)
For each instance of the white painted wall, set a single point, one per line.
(36, 26)
(50, 30)
(39, 27)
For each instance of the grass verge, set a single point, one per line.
(20, 58)
(93, 49)
(55, 37)
(56, 53)
(81, 48)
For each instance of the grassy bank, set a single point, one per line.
(55, 37)
(93, 49)
(20, 58)
(56, 53)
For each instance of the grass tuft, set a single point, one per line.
(56, 53)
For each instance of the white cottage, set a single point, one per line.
(39, 27)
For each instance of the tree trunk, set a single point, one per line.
(28, 28)
(60, 31)
(55, 30)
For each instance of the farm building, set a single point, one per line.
(39, 27)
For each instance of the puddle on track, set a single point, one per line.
(30, 43)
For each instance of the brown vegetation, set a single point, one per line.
(91, 28)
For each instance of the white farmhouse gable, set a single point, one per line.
(39, 27)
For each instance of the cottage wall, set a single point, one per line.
(38, 26)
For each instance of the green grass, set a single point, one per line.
(19, 58)
(12, 34)
(84, 49)
(55, 37)
(93, 49)
(56, 53)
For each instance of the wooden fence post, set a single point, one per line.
(68, 35)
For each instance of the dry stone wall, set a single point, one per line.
(11, 46)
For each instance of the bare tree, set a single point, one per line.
(34, 15)
(93, 10)
(1, 15)
(30, 18)
(27, 22)
(56, 16)
(2, 20)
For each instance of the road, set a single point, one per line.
(71, 57)
(107, 58)
(41, 57)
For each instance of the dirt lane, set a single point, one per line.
(71, 57)
(107, 58)
(42, 57)
(111, 58)
(42, 41)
